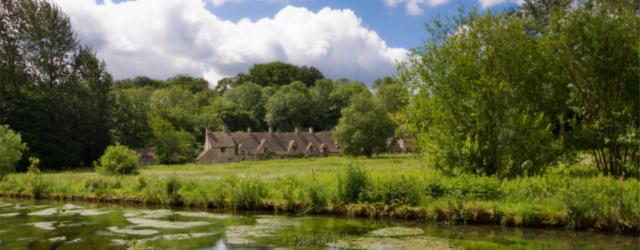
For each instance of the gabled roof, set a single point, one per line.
(277, 142)
(220, 139)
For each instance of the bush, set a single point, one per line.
(352, 184)
(11, 148)
(118, 160)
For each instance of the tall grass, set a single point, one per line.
(397, 187)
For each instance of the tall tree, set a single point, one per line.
(364, 127)
(290, 107)
(52, 90)
(597, 47)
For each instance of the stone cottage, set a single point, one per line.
(224, 146)
(227, 146)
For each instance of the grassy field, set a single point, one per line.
(401, 187)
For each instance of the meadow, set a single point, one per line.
(388, 186)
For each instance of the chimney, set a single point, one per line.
(248, 130)
(270, 129)
(297, 130)
(224, 128)
(311, 130)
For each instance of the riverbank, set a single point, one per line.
(399, 187)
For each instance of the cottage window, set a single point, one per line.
(294, 148)
(222, 150)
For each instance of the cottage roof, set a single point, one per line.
(279, 143)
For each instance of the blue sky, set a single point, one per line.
(393, 24)
(357, 39)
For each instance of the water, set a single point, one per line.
(26, 224)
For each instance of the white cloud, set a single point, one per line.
(489, 3)
(163, 38)
(416, 7)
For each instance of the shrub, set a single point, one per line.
(248, 193)
(118, 160)
(352, 184)
(11, 148)
(172, 188)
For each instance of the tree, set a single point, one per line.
(482, 92)
(176, 105)
(189, 83)
(172, 146)
(118, 160)
(247, 99)
(364, 127)
(597, 48)
(279, 74)
(391, 93)
(131, 125)
(290, 107)
(11, 149)
(48, 82)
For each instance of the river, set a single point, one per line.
(27, 224)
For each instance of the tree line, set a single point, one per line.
(60, 99)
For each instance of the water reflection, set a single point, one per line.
(51, 225)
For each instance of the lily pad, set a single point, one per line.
(249, 231)
(396, 232)
(70, 207)
(275, 221)
(204, 215)
(46, 225)
(408, 243)
(239, 241)
(186, 236)
(149, 214)
(129, 231)
(61, 238)
(166, 224)
(60, 211)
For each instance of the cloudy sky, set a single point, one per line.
(358, 39)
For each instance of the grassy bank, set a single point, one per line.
(391, 187)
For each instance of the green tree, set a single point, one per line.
(391, 93)
(118, 160)
(53, 91)
(596, 47)
(248, 99)
(279, 74)
(11, 149)
(189, 83)
(176, 105)
(172, 146)
(364, 127)
(131, 126)
(482, 89)
(290, 107)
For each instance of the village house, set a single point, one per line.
(224, 146)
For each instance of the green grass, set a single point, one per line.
(400, 186)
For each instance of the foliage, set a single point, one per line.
(172, 145)
(596, 47)
(352, 184)
(478, 110)
(131, 125)
(393, 94)
(279, 74)
(53, 91)
(118, 160)
(11, 149)
(364, 127)
(290, 107)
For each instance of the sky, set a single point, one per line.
(358, 39)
